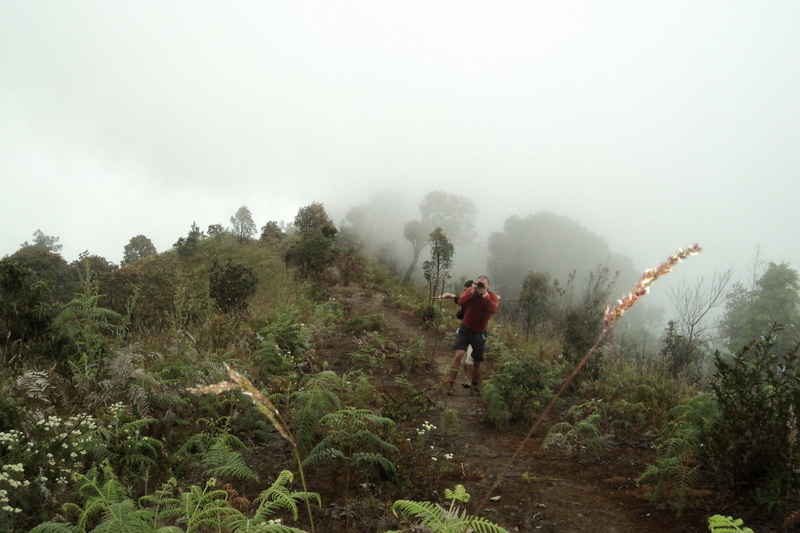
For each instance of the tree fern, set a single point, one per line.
(440, 520)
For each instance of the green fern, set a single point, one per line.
(99, 490)
(311, 403)
(206, 508)
(55, 527)
(719, 523)
(107, 505)
(678, 469)
(584, 433)
(223, 461)
(440, 520)
(350, 440)
(126, 448)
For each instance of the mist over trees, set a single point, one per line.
(775, 299)
(551, 244)
(267, 303)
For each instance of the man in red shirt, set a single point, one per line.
(479, 303)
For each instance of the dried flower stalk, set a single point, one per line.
(241, 383)
(643, 285)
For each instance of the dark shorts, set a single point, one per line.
(467, 337)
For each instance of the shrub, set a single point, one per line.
(582, 434)
(364, 323)
(754, 436)
(520, 386)
(230, 285)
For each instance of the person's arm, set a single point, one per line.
(466, 296)
(492, 300)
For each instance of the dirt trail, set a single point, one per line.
(542, 490)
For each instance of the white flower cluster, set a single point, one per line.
(425, 429)
(118, 408)
(11, 476)
(51, 447)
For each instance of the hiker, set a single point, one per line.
(466, 361)
(478, 303)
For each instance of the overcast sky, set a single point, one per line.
(653, 124)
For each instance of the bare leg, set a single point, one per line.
(454, 366)
(476, 372)
(469, 371)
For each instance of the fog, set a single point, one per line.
(654, 125)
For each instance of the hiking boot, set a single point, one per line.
(475, 391)
(466, 385)
(450, 391)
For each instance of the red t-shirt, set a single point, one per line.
(478, 309)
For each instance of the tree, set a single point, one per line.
(437, 269)
(185, 245)
(690, 335)
(583, 321)
(695, 305)
(552, 244)
(454, 214)
(94, 264)
(537, 300)
(26, 310)
(138, 247)
(315, 247)
(775, 299)
(50, 268)
(414, 232)
(215, 230)
(271, 231)
(44, 242)
(314, 216)
(243, 225)
(350, 247)
(378, 223)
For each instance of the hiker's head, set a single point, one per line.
(481, 281)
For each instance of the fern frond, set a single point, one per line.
(278, 496)
(375, 459)
(55, 527)
(312, 403)
(367, 437)
(436, 518)
(205, 508)
(34, 385)
(252, 525)
(123, 517)
(224, 461)
(727, 524)
(425, 510)
(322, 454)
